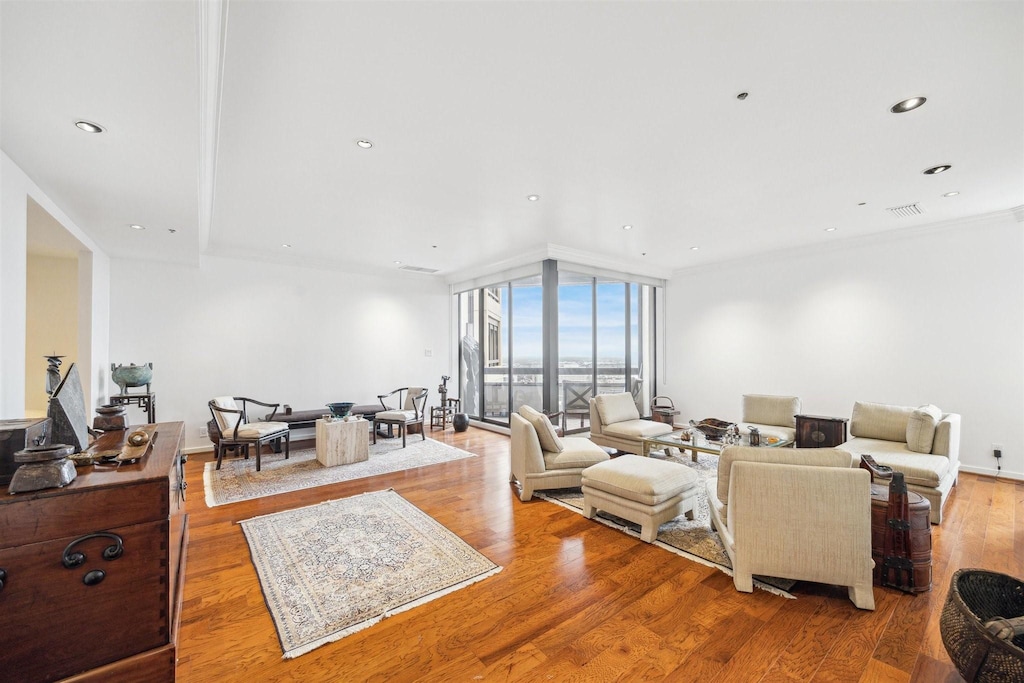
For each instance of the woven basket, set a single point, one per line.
(975, 597)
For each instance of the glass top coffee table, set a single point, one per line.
(702, 444)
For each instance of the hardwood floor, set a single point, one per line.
(578, 601)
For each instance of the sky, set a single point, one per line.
(574, 322)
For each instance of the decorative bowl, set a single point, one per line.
(111, 410)
(340, 409)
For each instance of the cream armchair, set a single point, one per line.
(794, 513)
(543, 460)
(615, 423)
(772, 415)
(922, 443)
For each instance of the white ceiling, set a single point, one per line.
(614, 113)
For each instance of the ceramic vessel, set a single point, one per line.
(340, 409)
(132, 375)
(460, 421)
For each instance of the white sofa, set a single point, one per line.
(922, 443)
(772, 415)
(543, 460)
(615, 423)
(794, 513)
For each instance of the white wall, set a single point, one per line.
(93, 286)
(52, 297)
(934, 316)
(276, 333)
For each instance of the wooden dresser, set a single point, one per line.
(66, 611)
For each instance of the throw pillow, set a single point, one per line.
(921, 428)
(546, 434)
(614, 408)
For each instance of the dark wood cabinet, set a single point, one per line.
(94, 570)
(817, 431)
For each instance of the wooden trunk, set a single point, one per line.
(920, 537)
(97, 618)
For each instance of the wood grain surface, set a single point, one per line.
(578, 601)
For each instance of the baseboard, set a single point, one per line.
(992, 472)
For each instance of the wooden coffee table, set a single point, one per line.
(701, 445)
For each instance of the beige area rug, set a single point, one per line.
(238, 479)
(693, 539)
(332, 569)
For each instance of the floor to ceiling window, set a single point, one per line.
(604, 344)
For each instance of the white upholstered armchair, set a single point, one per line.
(543, 460)
(772, 415)
(794, 513)
(615, 423)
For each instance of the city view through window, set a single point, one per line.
(604, 345)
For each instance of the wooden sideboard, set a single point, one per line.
(93, 572)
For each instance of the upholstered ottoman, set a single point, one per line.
(643, 490)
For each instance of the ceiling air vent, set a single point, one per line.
(417, 269)
(906, 211)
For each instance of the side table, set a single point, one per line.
(441, 416)
(146, 402)
(817, 431)
(342, 443)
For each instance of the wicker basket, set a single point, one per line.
(975, 597)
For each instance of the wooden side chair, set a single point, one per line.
(413, 401)
(576, 403)
(231, 419)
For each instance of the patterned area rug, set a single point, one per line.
(692, 539)
(238, 479)
(332, 569)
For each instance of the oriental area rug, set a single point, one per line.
(332, 569)
(693, 539)
(237, 479)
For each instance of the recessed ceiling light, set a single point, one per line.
(908, 105)
(533, 197)
(365, 144)
(136, 226)
(936, 169)
(287, 246)
(951, 194)
(742, 96)
(694, 248)
(89, 126)
(398, 263)
(627, 227)
(830, 229)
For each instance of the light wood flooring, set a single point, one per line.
(578, 601)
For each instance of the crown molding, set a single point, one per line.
(1016, 213)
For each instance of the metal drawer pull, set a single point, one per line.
(3, 578)
(77, 558)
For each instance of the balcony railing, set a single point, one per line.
(527, 386)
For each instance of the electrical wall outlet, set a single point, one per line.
(428, 352)
(201, 432)
(997, 450)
